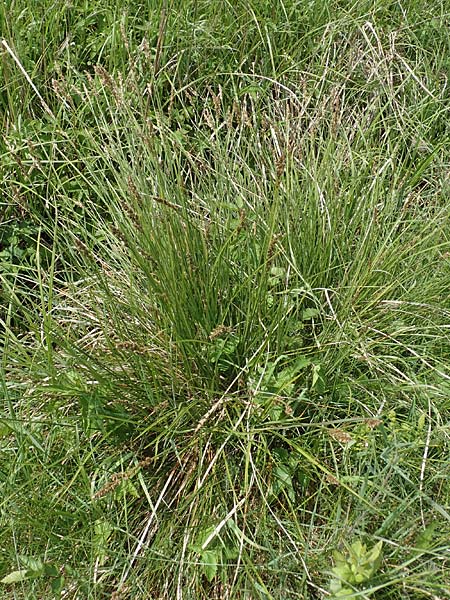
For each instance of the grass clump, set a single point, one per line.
(225, 301)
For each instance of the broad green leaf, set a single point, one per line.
(51, 570)
(338, 556)
(126, 488)
(5, 430)
(102, 532)
(358, 549)
(310, 313)
(316, 375)
(32, 564)
(210, 560)
(343, 571)
(251, 90)
(16, 576)
(230, 552)
(288, 375)
(57, 585)
(425, 538)
(421, 422)
(375, 554)
(345, 591)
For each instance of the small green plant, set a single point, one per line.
(17, 244)
(214, 551)
(33, 568)
(357, 567)
(283, 473)
(270, 384)
(222, 349)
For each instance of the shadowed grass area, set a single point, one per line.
(224, 302)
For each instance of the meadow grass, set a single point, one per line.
(225, 300)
